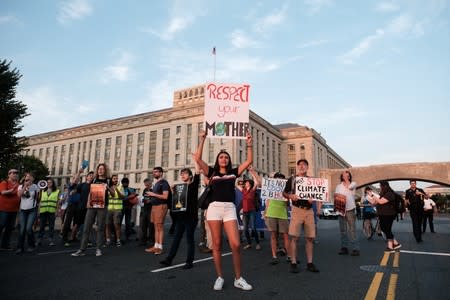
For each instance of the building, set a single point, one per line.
(133, 145)
(437, 189)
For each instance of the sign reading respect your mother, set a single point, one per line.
(227, 110)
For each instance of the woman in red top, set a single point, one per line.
(9, 206)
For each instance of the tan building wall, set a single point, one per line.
(133, 145)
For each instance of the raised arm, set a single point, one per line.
(198, 154)
(249, 159)
(255, 176)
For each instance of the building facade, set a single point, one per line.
(132, 146)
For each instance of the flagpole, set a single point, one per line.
(214, 54)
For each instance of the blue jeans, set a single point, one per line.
(347, 226)
(250, 221)
(26, 220)
(43, 218)
(182, 225)
(7, 223)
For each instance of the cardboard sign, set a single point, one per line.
(312, 188)
(179, 197)
(96, 197)
(227, 110)
(272, 189)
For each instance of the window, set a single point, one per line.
(177, 144)
(108, 142)
(291, 147)
(177, 159)
(141, 137)
(178, 131)
(137, 178)
(127, 164)
(118, 140)
(139, 163)
(129, 139)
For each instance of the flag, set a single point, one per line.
(214, 51)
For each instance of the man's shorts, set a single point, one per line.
(275, 224)
(301, 217)
(113, 217)
(158, 214)
(221, 211)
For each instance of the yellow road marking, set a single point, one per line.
(385, 259)
(374, 286)
(395, 263)
(392, 286)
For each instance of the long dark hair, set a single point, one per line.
(216, 164)
(349, 176)
(385, 188)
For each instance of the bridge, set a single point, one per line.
(438, 172)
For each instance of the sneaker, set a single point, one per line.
(19, 251)
(205, 250)
(281, 251)
(165, 263)
(397, 246)
(98, 252)
(150, 250)
(248, 246)
(242, 284)
(108, 243)
(51, 244)
(343, 251)
(118, 243)
(389, 250)
(66, 244)
(78, 253)
(312, 268)
(218, 285)
(187, 266)
(89, 244)
(30, 250)
(288, 259)
(293, 268)
(274, 261)
(157, 251)
(258, 247)
(355, 253)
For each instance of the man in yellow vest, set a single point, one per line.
(114, 214)
(47, 211)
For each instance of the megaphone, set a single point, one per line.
(42, 184)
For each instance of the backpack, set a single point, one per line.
(399, 204)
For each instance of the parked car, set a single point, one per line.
(327, 211)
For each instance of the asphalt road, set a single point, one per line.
(418, 271)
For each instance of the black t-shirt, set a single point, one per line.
(83, 189)
(415, 201)
(387, 209)
(158, 188)
(222, 185)
(290, 189)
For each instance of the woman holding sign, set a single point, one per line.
(221, 212)
(96, 208)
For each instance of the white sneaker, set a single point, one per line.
(79, 253)
(98, 252)
(242, 284)
(218, 285)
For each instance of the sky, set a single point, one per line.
(373, 77)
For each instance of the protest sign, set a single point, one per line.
(312, 188)
(227, 110)
(96, 198)
(179, 197)
(272, 188)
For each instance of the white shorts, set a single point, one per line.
(221, 211)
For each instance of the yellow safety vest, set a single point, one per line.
(115, 203)
(48, 202)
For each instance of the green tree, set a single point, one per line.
(12, 111)
(34, 165)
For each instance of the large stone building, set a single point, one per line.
(133, 145)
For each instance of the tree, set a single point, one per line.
(12, 112)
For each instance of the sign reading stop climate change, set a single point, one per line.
(311, 188)
(227, 110)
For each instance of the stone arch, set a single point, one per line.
(438, 173)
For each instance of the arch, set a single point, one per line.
(438, 173)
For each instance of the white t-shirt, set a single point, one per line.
(428, 204)
(31, 201)
(349, 194)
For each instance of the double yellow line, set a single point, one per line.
(376, 281)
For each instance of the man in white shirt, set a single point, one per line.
(428, 208)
